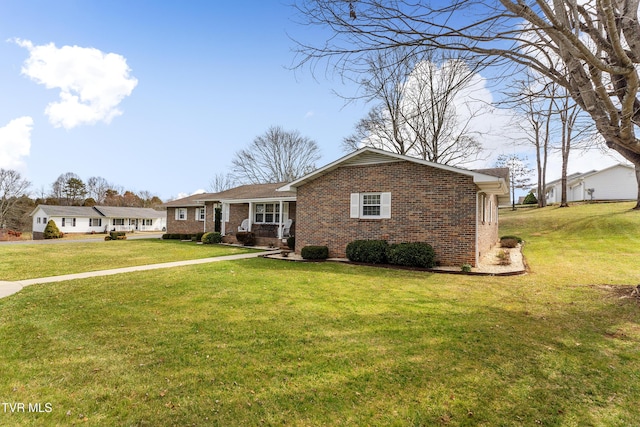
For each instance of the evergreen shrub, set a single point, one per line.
(315, 252)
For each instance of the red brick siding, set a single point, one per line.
(427, 205)
(190, 225)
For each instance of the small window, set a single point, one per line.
(147, 221)
(118, 221)
(95, 222)
(370, 205)
(181, 214)
(200, 214)
(68, 222)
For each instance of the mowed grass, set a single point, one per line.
(266, 342)
(28, 261)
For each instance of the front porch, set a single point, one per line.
(269, 222)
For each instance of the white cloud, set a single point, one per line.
(92, 83)
(15, 142)
(309, 114)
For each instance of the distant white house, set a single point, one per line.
(97, 219)
(617, 182)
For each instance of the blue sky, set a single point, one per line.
(170, 90)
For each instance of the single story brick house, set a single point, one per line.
(96, 219)
(368, 194)
(259, 208)
(374, 194)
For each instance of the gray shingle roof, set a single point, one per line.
(99, 211)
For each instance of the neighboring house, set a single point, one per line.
(96, 219)
(263, 210)
(373, 194)
(617, 182)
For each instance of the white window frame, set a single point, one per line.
(147, 222)
(181, 214)
(118, 221)
(65, 222)
(358, 206)
(261, 210)
(95, 222)
(200, 214)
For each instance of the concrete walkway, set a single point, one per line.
(9, 288)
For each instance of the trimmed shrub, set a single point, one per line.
(368, 251)
(51, 231)
(211, 238)
(199, 236)
(247, 238)
(315, 252)
(291, 243)
(185, 237)
(508, 243)
(518, 239)
(118, 235)
(412, 255)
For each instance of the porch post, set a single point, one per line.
(250, 215)
(223, 219)
(280, 223)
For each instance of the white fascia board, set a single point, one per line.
(260, 200)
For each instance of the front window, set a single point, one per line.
(118, 221)
(68, 222)
(181, 214)
(371, 205)
(267, 213)
(200, 214)
(95, 222)
(147, 222)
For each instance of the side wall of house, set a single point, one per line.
(427, 205)
(191, 224)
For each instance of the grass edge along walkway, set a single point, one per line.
(10, 288)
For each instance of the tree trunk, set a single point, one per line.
(633, 158)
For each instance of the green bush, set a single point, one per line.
(368, 251)
(530, 199)
(291, 243)
(166, 236)
(118, 235)
(412, 255)
(315, 252)
(199, 236)
(51, 231)
(210, 238)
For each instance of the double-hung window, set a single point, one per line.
(370, 205)
(147, 222)
(200, 213)
(181, 214)
(95, 222)
(68, 222)
(267, 213)
(118, 221)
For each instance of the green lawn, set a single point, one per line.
(28, 261)
(266, 342)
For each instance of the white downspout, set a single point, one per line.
(204, 229)
(223, 219)
(478, 210)
(250, 215)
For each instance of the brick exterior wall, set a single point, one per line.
(427, 205)
(190, 225)
(239, 212)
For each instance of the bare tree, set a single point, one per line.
(418, 108)
(221, 182)
(69, 189)
(276, 156)
(519, 173)
(592, 49)
(97, 188)
(12, 188)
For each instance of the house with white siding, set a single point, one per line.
(617, 182)
(97, 219)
